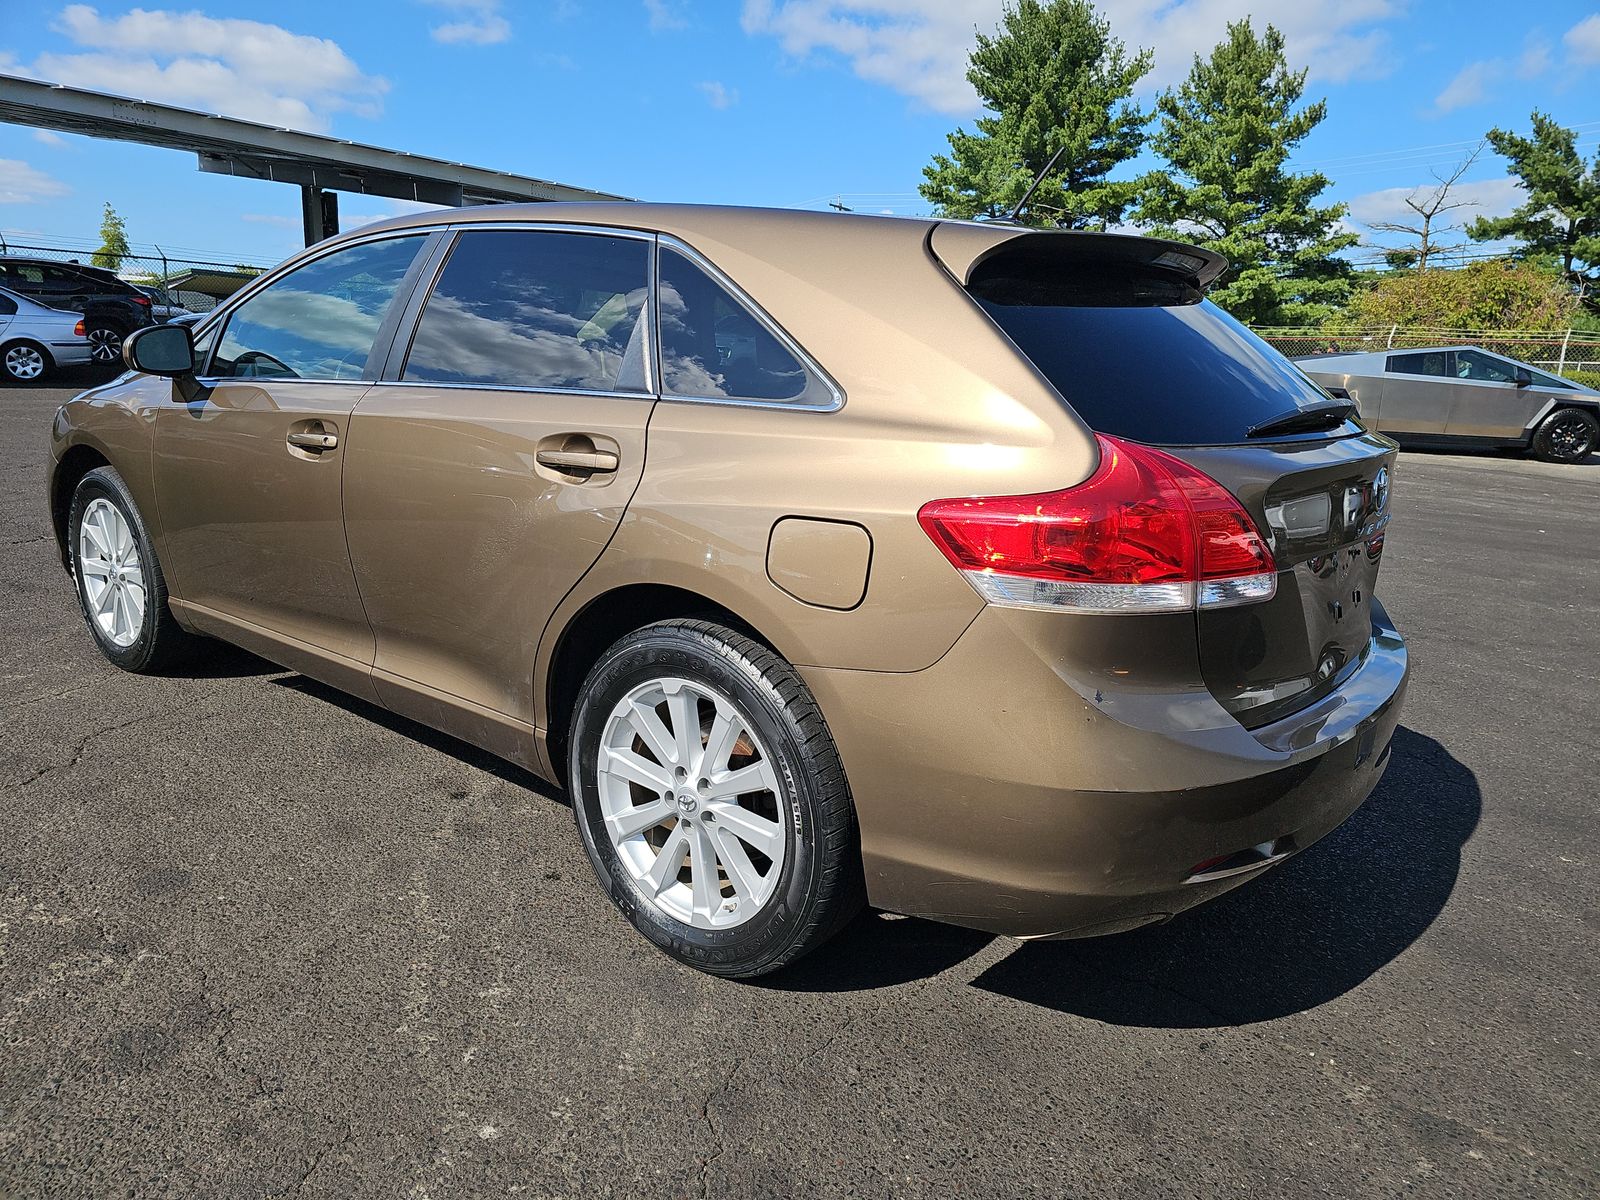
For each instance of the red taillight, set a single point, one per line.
(78, 329)
(144, 300)
(1145, 533)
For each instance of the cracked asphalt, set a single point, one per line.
(260, 940)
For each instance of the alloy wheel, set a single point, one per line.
(1569, 438)
(113, 576)
(105, 344)
(691, 803)
(24, 362)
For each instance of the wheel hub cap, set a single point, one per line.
(24, 362)
(691, 803)
(113, 576)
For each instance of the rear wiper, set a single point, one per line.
(1301, 420)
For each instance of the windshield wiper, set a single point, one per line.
(1303, 420)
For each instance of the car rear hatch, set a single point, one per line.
(1119, 328)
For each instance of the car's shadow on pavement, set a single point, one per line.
(1301, 936)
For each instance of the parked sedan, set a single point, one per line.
(1465, 395)
(112, 308)
(983, 574)
(35, 340)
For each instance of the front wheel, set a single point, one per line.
(1567, 435)
(711, 799)
(23, 362)
(121, 589)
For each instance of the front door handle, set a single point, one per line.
(578, 460)
(307, 440)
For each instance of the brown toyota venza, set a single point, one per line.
(985, 574)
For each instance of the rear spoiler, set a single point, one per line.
(964, 246)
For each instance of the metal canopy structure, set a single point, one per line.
(319, 165)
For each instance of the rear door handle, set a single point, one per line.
(578, 460)
(308, 440)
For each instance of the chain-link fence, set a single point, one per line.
(1562, 352)
(179, 282)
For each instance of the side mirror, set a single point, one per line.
(1522, 378)
(166, 350)
(160, 350)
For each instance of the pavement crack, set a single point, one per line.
(322, 1156)
(82, 748)
(718, 1141)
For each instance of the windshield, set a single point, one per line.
(1176, 375)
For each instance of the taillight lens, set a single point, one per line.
(142, 300)
(1145, 533)
(78, 329)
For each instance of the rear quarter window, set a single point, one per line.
(1140, 358)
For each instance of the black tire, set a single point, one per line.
(104, 337)
(161, 642)
(820, 884)
(1567, 435)
(12, 367)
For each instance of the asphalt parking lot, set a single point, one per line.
(259, 940)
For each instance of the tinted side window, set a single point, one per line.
(1472, 365)
(320, 320)
(537, 309)
(714, 348)
(8, 307)
(1434, 362)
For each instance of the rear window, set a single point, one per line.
(1140, 360)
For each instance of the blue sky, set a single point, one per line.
(784, 102)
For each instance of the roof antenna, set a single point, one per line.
(1034, 186)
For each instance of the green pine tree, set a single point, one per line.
(1226, 134)
(1560, 220)
(1055, 79)
(113, 241)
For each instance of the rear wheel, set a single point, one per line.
(121, 589)
(1567, 435)
(711, 799)
(105, 343)
(23, 362)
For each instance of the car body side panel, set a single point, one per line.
(117, 422)
(1419, 404)
(1501, 411)
(463, 543)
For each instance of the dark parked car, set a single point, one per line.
(111, 308)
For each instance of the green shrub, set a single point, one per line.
(1588, 379)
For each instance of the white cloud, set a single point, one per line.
(719, 95)
(242, 68)
(1535, 60)
(1486, 198)
(479, 23)
(24, 184)
(920, 47)
(1583, 40)
(664, 15)
(48, 138)
(1470, 86)
(382, 209)
(277, 220)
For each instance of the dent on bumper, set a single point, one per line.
(1029, 802)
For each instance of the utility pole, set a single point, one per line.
(838, 203)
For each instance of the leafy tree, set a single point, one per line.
(1497, 293)
(1561, 217)
(113, 241)
(1055, 80)
(1226, 134)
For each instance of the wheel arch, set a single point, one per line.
(598, 625)
(77, 462)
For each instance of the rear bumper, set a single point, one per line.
(70, 354)
(1027, 800)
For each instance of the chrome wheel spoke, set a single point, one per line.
(685, 726)
(766, 836)
(668, 860)
(647, 723)
(640, 818)
(752, 778)
(725, 731)
(112, 575)
(628, 765)
(704, 883)
(741, 871)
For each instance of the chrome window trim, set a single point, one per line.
(282, 271)
(744, 301)
(456, 231)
